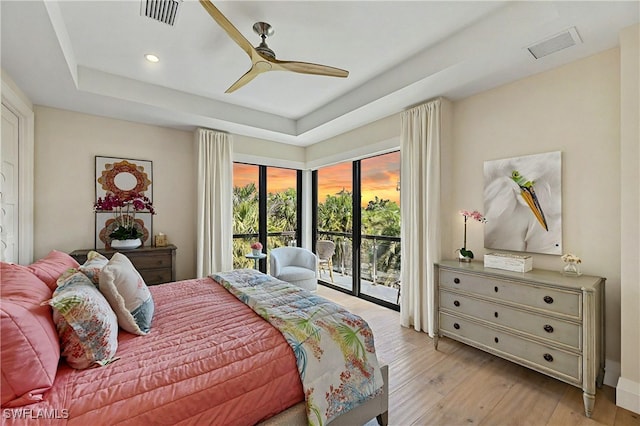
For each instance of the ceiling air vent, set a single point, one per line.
(164, 11)
(556, 43)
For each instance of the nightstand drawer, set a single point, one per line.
(549, 359)
(544, 298)
(541, 326)
(151, 261)
(155, 276)
(157, 265)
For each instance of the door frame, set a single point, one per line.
(23, 109)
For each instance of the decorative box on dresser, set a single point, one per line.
(539, 319)
(157, 265)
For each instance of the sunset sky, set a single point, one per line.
(380, 176)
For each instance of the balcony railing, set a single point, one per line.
(242, 245)
(379, 257)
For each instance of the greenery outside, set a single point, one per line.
(380, 218)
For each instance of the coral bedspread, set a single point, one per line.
(209, 359)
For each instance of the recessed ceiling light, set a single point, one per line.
(151, 58)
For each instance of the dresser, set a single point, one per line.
(539, 319)
(156, 265)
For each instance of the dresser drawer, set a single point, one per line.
(564, 365)
(555, 300)
(541, 326)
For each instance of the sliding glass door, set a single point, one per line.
(380, 227)
(246, 212)
(335, 224)
(266, 208)
(282, 207)
(358, 210)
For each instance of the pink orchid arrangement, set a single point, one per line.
(476, 215)
(256, 246)
(124, 211)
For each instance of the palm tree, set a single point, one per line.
(245, 221)
(382, 217)
(281, 214)
(336, 215)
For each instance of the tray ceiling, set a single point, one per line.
(88, 56)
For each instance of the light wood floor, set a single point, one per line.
(461, 385)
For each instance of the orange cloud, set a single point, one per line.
(379, 176)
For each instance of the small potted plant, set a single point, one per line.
(256, 248)
(127, 233)
(465, 255)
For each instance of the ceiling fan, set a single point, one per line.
(264, 59)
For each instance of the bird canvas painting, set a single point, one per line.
(523, 203)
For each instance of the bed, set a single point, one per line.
(212, 356)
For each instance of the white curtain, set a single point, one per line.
(215, 202)
(420, 195)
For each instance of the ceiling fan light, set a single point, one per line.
(151, 58)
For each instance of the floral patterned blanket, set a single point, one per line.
(334, 348)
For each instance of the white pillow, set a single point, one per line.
(91, 268)
(127, 294)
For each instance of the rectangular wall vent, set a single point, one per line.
(556, 43)
(164, 11)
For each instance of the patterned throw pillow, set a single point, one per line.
(92, 267)
(86, 324)
(127, 294)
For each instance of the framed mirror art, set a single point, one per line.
(123, 180)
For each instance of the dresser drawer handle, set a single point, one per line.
(548, 299)
(495, 289)
(495, 339)
(548, 328)
(456, 280)
(495, 314)
(456, 303)
(548, 357)
(456, 326)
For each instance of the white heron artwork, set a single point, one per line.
(523, 203)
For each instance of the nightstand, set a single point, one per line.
(157, 265)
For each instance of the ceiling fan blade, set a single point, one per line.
(228, 27)
(309, 68)
(247, 77)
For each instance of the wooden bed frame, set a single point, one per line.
(377, 407)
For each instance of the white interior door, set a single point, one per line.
(9, 181)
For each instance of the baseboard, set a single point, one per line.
(628, 395)
(611, 373)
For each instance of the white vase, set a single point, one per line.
(256, 252)
(126, 244)
(571, 269)
(462, 257)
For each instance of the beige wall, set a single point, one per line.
(628, 390)
(66, 144)
(268, 153)
(574, 109)
(380, 136)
